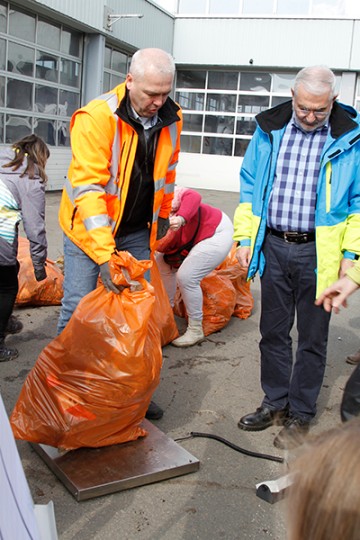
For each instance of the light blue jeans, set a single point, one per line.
(81, 273)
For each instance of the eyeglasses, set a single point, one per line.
(318, 114)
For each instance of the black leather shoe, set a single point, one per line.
(14, 326)
(154, 412)
(262, 418)
(7, 354)
(292, 434)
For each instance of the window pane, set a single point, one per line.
(69, 102)
(106, 82)
(276, 100)
(221, 102)
(119, 62)
(219, 6)
(2, 91)
(193, 122)
(219, 124)
(17, 127)
(293, 7)
(3, 18)
(1, 128)
(21, 59)
(223, 80)
(22, 25)
(217, 145)
(47, 66)
(255, 82)
(116, 79)
(245, 125)
(283, 82)
(190, 143)
(240, 147)
(189, 6)
(2, 53)
(48, 35)
(45, 99)
(253, 104)
(191, 79)
(258, 6)
(46, 130)
(70, 73)
(107, 58)
(71, 42)
(191, 100)
(63, 130)
(331, 7)
(19, 94)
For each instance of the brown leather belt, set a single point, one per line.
(293, 237)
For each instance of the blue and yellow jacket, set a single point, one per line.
(337, 214)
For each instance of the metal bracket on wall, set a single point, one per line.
(111, 18)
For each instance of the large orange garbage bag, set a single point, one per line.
(48, 292)
(231, 268)
(219, 299)
(162, 313)
(91, 386)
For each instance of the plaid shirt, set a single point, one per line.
(293, 197)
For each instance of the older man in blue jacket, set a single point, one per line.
(298, 223)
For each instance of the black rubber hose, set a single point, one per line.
(237, 448)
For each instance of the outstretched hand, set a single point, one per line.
(336, 295)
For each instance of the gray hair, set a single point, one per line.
(316, 80)
(155, 60)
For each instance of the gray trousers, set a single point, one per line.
(202, 259)
(288, 287)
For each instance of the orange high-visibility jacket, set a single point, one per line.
(103, 153)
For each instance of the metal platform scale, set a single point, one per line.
(92, 472)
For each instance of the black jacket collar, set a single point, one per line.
(167, 113)
(277, 117)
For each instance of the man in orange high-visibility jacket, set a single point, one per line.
(118, 194)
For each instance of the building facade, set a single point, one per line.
(55, 55)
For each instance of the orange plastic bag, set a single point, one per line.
(162, 313)
(48, 292)
(219, 299)
(91, 386)
(231, 268)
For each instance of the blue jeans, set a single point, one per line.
(81, 273)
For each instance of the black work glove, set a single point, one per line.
(163, 226)
(40, 273)
(106, 278)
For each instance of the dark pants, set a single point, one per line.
(288, 287)
(9, 287)
(350, 404)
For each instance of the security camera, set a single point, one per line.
(251, 61)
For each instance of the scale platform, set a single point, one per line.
(92, 472)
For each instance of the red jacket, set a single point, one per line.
(210, 218)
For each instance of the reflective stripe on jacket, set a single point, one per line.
(103, 154)
(337, 214)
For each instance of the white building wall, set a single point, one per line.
(268, 42)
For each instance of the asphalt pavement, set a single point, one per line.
(205, 388)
